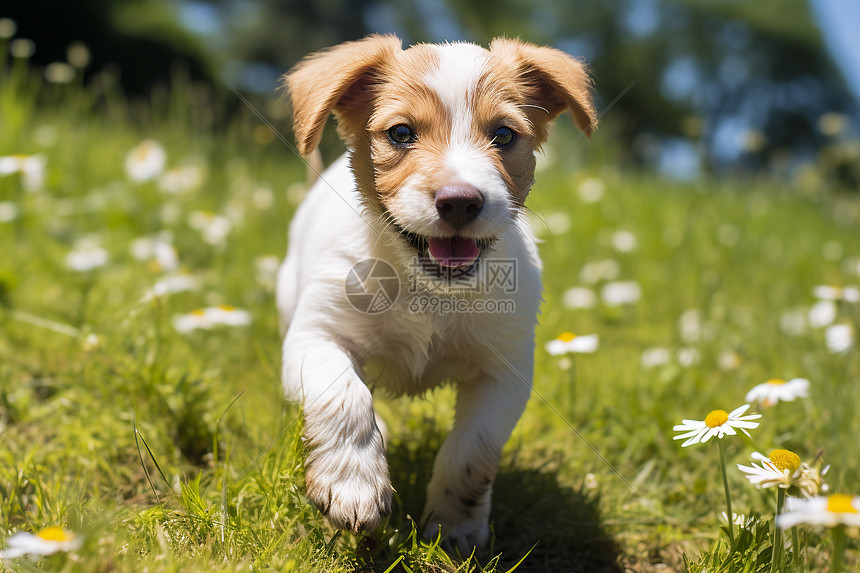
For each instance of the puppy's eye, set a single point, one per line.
(504, 137)
(401, 135)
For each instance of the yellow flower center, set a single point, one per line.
(716, 418)
(58, 534)
(226, 307)
(840, 503)
(776, 381)
(566, 336)
(198, 312)
(785, 460)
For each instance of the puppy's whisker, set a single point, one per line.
(545, 110)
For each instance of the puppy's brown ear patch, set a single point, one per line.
(338, 79)
(552, 80)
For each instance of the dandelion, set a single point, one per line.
(46, 542)
(211, 317)
(835, 511)
(31, 168)
(839, 338)
(618, 293)
(778, 390)
(86, 255)
(568, 342)
(579, 297)
(718, 423)
(146, 161)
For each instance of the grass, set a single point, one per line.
(176, 451)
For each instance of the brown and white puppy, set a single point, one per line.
(441, 142)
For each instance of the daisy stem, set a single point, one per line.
(728, 495)
(795, 545)
(776, 556)
(838, 548)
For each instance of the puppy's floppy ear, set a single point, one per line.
(553, 80)
(336, 79)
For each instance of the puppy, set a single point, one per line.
(426, 206)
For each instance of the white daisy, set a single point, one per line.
(847, 293)
(579, 297)
(780, 468)
(209, 318)
(557, 223)
(596, 271)
(86, 255)
(778, 390)
(158, 248)
(718, 423)
(146, 161)
(267, 270)
(618, 293)
(8, 211)
(624, 241)
(46, 542)
(793, 321)
(822, 313)
(688, 356)
(179, 282)
(213, 227)
(568, 342)
(653, 357)
(730, 360)
(591, 190)
(181, 179)
(839, 338)
(830, 511)
(31, 168)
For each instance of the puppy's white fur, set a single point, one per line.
(347, 218)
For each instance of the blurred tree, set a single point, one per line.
(739, 85)
(138, 39)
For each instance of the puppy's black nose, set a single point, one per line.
(458, 204)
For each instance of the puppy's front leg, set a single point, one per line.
(458, 495)
(346, 473)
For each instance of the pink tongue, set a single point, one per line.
(454, 251)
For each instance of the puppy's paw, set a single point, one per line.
(464, 535)
(351, 493)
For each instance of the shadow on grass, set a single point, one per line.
(530, 508)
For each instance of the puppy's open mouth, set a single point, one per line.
(448, 256)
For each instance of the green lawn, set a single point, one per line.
(175, 451)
